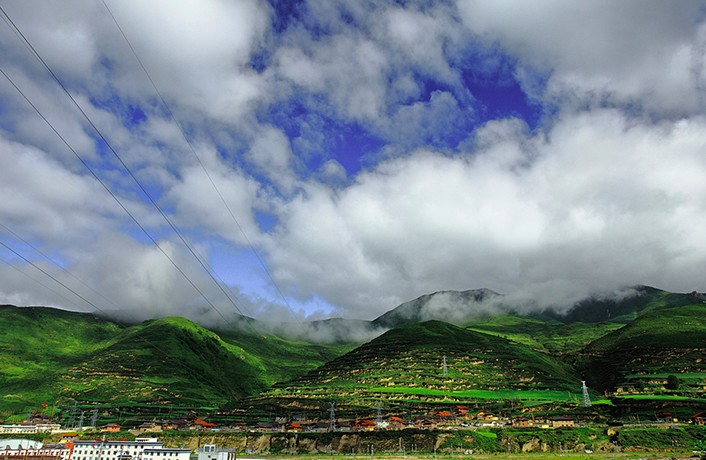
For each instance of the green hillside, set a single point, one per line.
(167, 360)
(406, 365)
(652, 348)
(626, 307)
(446, 304)
(639, 357)
(38, 345)
(543, 334)
(59, 357)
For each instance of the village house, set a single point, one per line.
(30, 428)
(202, 425)
(68, 437)
(364, 425)
(561, 422)
(395, 423)
(110, 428)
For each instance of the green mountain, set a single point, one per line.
(406, 365)
(442, 305)
(50, 355)
(640, 356)
(37, 345)
(624, 306)
(645, 342)
(543, 333)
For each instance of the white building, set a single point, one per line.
(139, 449)
(211, 452)
(29, 429)
(24, 449)
(166, 454)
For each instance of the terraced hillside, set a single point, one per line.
(639, 357)
(543, 333)
(38, 344)
(59, 357)
(407, 365)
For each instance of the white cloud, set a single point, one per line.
(598, 203)
(199, 206)
(636, 52)
(595, 197)
(48, 201)
(271, 155)
(197, 52)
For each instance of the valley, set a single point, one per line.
(502, 371)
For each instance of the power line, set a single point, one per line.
(129, 171)
(52, 277)
(57, 264)
(193, 150)
(38, 282)
(105, 186)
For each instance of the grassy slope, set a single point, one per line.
(53, 355)
(626, 309)
(660, 342)
(546, 335)
(166, 360)
(38, 345)
(407, 362)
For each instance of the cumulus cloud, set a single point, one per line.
(355, 145)
(645, 53)
(598, 190)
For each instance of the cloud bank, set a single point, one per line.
(335, 159)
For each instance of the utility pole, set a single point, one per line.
(332, 422)
(586, 397)
(379, 413)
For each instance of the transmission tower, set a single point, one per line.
(72, 418)
(80, 420)
(332, 422)
(445, 371)
(94, 419)
(586, 397)
(379, 410)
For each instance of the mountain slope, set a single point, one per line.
(657, 343)
(542, 333)
(38, 344)
(624, 306)
(167, 360)
(448, 306)
(51, 355)
(406, 364)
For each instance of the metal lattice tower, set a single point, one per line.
(445, 371)
(94, 419)
(586, 397)
(379, 410)
(332, 422)
(72, 418)
(80, 420)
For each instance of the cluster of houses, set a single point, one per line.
(105, 449)
(452, 419)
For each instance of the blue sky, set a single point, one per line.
(329, 158)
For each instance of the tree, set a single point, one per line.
(672, 382)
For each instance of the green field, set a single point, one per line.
(643, 352)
